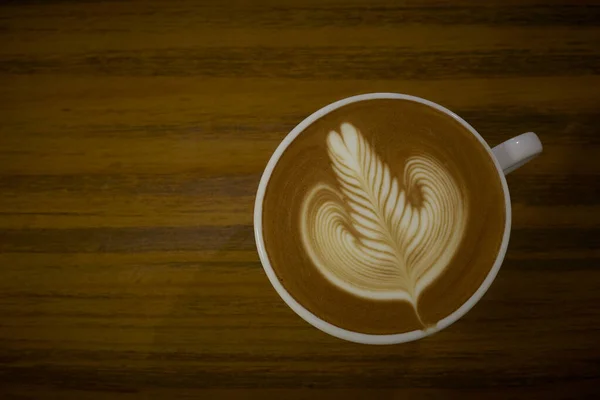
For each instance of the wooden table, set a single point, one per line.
(132, 139)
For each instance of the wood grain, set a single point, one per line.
(132, 139)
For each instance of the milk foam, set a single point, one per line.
(367, 236)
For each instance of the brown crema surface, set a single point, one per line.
(396, 129)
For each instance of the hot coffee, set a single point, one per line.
(383, 216)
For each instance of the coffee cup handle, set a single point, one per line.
(517, 151)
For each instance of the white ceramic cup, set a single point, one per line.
(507, 157)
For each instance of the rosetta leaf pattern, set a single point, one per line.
(366, 235)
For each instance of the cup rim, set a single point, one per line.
(334, 330)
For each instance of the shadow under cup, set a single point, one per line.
(395, 128)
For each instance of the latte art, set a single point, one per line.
(368, 235)
(383, 216)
